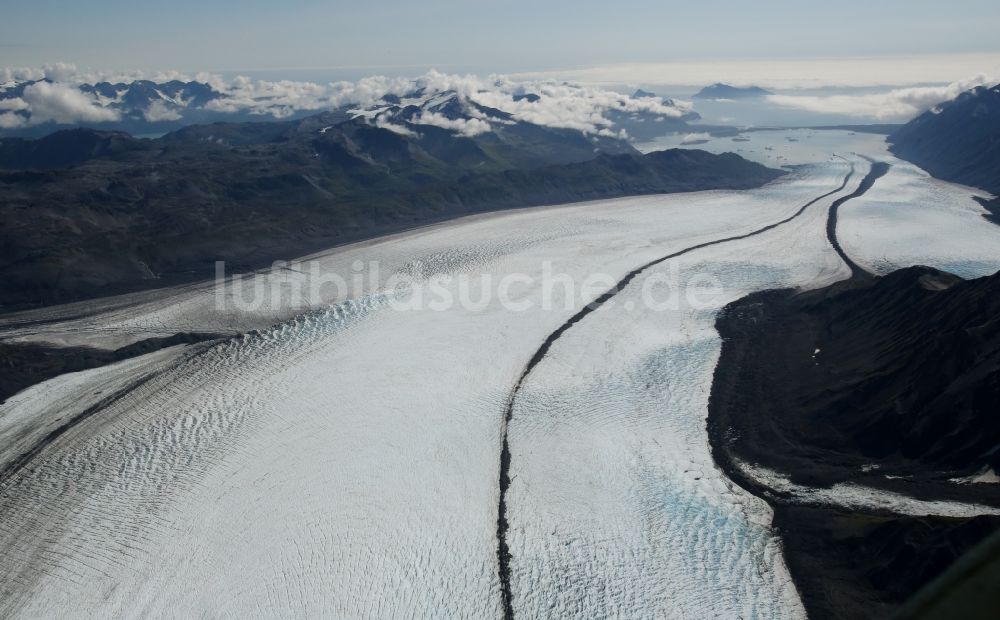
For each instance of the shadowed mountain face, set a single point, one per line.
(126, 212)
(897, 377)
(958, 141)
(849, 565)
(891, 383)
(66, 148)
(139, 94)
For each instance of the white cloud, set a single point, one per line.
(20, 74)
(467, 127)
(160, 111)
(786, 73)
(694, 138)
(63, 104)
(67, 73)
(382, 123)
(212, 79)
(285, 97)
(899, 104)
(9, 120)
(559, 104)
(60, 72)
(14, 103)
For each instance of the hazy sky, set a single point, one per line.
(478, 36)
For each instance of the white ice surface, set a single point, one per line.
(344, 462)
(31, 414)
(616, 508)
(780, 148)
(910, 218)
(907, 218)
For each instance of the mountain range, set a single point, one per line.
(144, 107)
(958, 141)
(87, 211)
(725, 91)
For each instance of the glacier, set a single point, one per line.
(341, 459)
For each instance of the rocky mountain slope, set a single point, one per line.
(890, 383)
(130, 212)
(958, 141)
(898, 377)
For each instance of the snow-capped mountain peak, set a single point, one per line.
(463, 105)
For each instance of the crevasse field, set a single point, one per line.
(343, 459)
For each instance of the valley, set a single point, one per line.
(357, 445)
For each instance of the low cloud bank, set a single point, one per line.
(899, 104)
(467, 127)
(696, 138)
(788, 73)
(55, 102)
